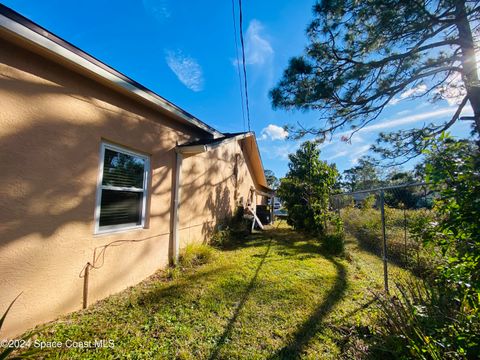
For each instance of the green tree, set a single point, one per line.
(272, 180)
(364, 54)
(453, 169)
(408, 197)
(364, 175)
(306, 187)
(440, 319)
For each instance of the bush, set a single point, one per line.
(453, 169)
(440, 319)
(195, 255)
(334, 243)
(368, 202)
(306, 188)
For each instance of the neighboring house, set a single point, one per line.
(102, 180)
(359, 198)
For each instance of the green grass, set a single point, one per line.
(271, 296)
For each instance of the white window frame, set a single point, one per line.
(100, 187)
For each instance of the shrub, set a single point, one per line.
(440, 319)
(453, 169)
(333, 241)
(306, 188)
(368, 202)
(195, 254)
(220, 238)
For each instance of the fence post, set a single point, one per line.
(385, 269)
(405, 233)
(272, 204)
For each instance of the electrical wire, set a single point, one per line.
(238, 62)
(244, 63)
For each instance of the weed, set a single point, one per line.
(426, 322)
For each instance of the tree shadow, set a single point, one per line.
(290, 244)
(179, 288)
(228, 330)
(211, 186)
(314, 324)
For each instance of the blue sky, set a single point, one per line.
(185, 51)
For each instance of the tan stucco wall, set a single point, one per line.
(52, 122)
(213, 183)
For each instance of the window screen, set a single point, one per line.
(123, 189)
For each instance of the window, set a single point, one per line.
(122, 191)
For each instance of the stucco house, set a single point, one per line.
(102, 180)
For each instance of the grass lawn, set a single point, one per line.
(275, 295)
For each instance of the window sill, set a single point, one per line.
(100, 232)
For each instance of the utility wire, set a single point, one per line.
(240, 82)
(243, 60)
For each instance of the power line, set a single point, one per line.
(238, 61)
(243, 60)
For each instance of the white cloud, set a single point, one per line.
(360, 146)
(279, 152)
(403, 112)
(388, 124)
(274, 132)
(358, 152)
(257, 48)
(157, 8)
(351, 151)
(338, 154)
(283, 151)
(418, 90)
(415, 91)
(186, 68)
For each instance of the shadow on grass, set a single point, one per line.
(241, 304)
(314, 324)
(179, 288)
(292, 243)
(289, 243)
(285, 237)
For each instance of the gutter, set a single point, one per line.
(197, 149)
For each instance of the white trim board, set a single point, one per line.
(122, 227)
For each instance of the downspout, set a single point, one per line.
(176, 206)
(180, 151)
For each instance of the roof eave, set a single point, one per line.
(197, 149)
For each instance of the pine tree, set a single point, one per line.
(363, 54)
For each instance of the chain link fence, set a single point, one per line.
(388, 222)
